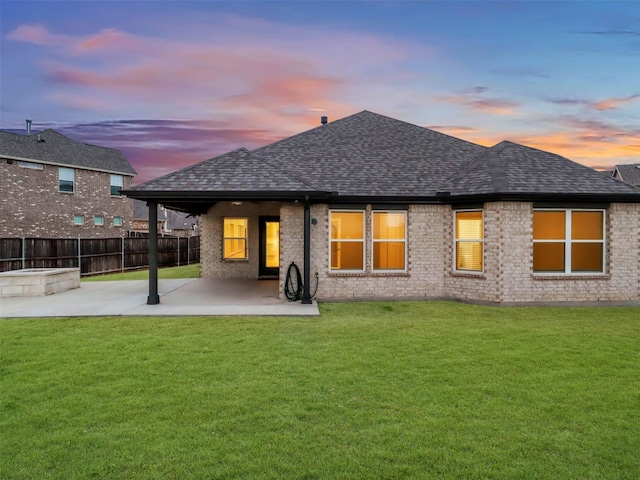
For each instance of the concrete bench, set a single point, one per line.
(32, 282)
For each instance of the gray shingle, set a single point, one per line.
(371, 155)
(237, 171)
(510, 168)
(629, 173)
(50, 146)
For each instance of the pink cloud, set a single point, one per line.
(108, 39)
(486, 105)
(37, 34)
(615, 103)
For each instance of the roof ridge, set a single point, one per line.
(307, 131)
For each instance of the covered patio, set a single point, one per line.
(188, 296)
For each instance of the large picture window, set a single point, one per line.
(347, 240)
(235, 239)
(389, 240)
(469, 238)
(568, 241)
(116, 185)
(66, 179)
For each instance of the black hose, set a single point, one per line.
(294, 290)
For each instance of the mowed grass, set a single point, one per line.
(184, 271)
(366, 391)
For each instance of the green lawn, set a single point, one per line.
(366, 391)
(186, 271)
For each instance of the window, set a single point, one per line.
(78, 219)
(98, 220)
(469, 239)
(235, 239)
(346, 240)
(66, 178)
(31, 165)
(116, 185)
(117, 221)
(389, 240)
(568, 241)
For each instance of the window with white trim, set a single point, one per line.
(568, 241)
(78, 219)
(117, 221)
(469, 241)
(98, 220)
(116, 185)
(389, 240)
(235, 238)
(346, 240)
(66, 179)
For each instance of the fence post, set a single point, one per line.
(24, 252)
(79, 257)
(122, 258)
(188, 250)
(178, 239)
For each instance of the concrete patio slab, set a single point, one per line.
(189, 296)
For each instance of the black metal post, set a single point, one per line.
(306, 295)
(153, 298)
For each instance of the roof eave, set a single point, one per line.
(227, 195)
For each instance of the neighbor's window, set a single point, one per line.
(389, 240)
(66, 179)
(117, 221)
(346, 240)
(31, 165)
(568, 241)
(469, 241)
(116, 185)
(235, 239)
(78, 219)
(98, 220)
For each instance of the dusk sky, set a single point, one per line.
(172, 83)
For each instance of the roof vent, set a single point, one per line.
(324, 120)
(40, 139)
(28, 127)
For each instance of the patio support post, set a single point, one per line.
(306, 295)
(153, 298)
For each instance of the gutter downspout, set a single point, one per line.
(153, 298)
(306, 295)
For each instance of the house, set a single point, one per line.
(53, 186)
(627, 173)
(169, 222)
(140, 220)
(372, 207)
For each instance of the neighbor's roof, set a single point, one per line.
(629, 173)
(368, 156)
(52, 147)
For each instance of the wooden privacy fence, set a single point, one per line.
(95, 255)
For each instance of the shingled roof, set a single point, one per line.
(52, 147)
(510, 168)
(370, 156)
(628, 173)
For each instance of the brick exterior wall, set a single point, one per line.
(211, 262)
(508, 277)
(32, 206)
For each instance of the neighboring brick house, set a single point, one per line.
(380, 208)
(627, 173)
(53, 186)
(170, 222)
